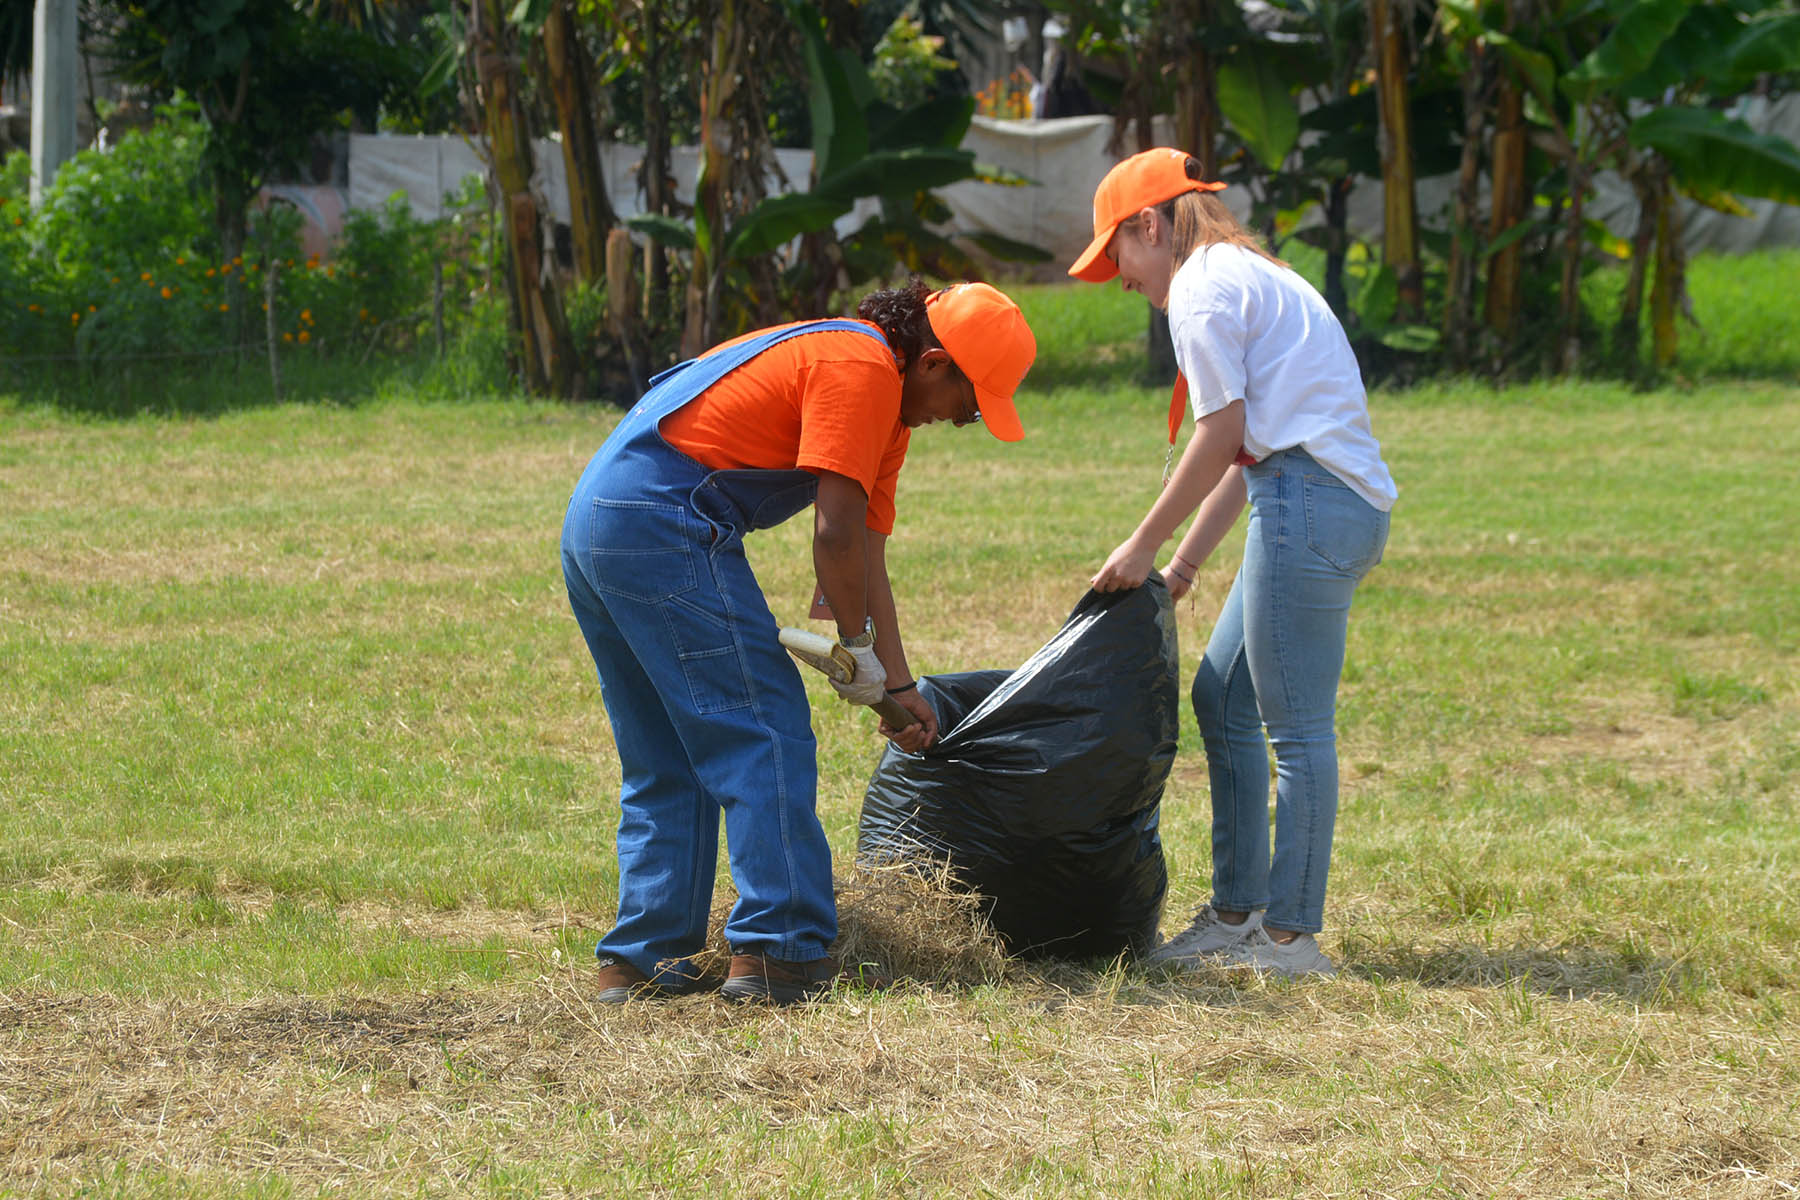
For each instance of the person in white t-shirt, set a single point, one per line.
(1282, 422)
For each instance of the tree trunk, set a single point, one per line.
(546, 352)
(1459, 288)
(655, 176)
(1508, 208)
(1337, 244)
(1648, 182)
(1196, 131)
(1400, 226)
(622, 310)
(1669, 291)
(591, 214)
(1569, 343)
(713, 184)
(1197, 92)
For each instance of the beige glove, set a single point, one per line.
(869, 684)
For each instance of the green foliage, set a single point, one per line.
(906, 63)
(266, 76)
(1255, 99)
(119, 264)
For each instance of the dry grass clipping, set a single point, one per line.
(897, 921)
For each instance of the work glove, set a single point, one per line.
(869, 684)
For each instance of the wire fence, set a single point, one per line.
(243, 349)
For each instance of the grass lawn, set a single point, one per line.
(308, 801)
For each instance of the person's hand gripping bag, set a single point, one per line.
(1044, 795)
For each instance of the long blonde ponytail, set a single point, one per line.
(1199, 219)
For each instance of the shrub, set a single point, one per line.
(120, 261)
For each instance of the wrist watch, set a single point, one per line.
(865, 638)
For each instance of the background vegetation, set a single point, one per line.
(1523, 102)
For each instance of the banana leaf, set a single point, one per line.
(662, 229)
(1256, 101)
(779, 219)
(1710, 151)
(1628, 50)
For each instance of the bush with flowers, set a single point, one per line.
(119, 262)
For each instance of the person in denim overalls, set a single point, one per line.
(1281, 423)
(708, 712)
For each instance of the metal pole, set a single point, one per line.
(269, 323)
(53, 92)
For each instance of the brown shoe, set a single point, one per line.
(621, 983)
(774, 981)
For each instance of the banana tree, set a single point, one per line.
(1696, 59)
(546, 353)
(861, 148)
(567, 67)
(1630, 86)
(1389, 29)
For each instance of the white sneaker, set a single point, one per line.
(1293, 960)
(1207, 936)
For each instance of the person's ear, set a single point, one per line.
(935, 358)
(1150, 225)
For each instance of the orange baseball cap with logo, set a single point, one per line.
(987, 337)
(1142, 181)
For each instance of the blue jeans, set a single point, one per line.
(708, 714)
(1273, 662)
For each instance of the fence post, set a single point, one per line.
(437, 304)
(269, 323)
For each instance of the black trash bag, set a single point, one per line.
(1044, 790)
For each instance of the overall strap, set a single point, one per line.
(674, 387)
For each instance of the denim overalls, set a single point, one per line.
(707, 710)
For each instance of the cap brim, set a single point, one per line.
(1093, 266)
(999, 414)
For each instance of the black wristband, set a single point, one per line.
(903, 688)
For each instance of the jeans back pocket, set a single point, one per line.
(1341, 527)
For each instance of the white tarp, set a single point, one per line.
(1066, 156)
(428, 168)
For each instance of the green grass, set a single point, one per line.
(308, 802)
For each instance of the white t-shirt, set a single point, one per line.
(1246, 329)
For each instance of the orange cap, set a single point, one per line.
(1142, 181)
(989, 341)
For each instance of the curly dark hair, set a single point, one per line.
(900, 312)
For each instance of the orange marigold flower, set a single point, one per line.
(167, 292)
(74, 318)
(180, 261)
(287, 337)
(305, 336)
(145, 277)
(306, 315)
(238, 261)
(224, 308)
(34, 308)
(93, 308)
(211, 271)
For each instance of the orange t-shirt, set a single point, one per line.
(825, 401)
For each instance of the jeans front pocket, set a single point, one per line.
(642, 550)
(1341, 527)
